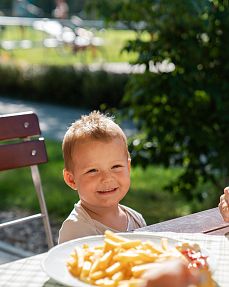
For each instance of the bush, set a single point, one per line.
(64, 85)
(11, 79)
(182, 115)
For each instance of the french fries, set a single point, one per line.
(121, 262)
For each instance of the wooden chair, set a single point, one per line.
(21, 146)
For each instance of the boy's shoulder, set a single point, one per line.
(78, 213)
(77, 224)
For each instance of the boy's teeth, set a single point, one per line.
(107, 190)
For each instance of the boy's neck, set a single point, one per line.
(113, 217)
(101, 212)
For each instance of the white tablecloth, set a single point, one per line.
(28, 272)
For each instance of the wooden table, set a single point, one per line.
(208, 221)
(28, 272)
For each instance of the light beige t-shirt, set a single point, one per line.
(80, 224)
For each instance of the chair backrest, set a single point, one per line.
(21, 146)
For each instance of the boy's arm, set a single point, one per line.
(224, 204)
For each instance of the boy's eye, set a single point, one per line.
(116, 166)
(91, 170)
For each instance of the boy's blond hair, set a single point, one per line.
(95, 126)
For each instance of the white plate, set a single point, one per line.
(54, 264)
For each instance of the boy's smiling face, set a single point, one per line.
(101, 172)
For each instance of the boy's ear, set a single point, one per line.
(69, 179)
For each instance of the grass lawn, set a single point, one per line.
(110, 52)
(146, 194)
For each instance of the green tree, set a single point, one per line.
(182, 115)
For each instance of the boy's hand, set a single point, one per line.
(224, 204)
(173, 274)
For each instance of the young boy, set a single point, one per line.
(97, 166)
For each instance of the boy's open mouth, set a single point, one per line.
(106, 191)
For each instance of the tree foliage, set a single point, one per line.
(182, 115)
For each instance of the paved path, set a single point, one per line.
(54, 120)
(10, 253)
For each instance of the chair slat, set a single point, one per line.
(19, 126)
(22, 154)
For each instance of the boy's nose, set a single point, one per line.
(105, 176)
